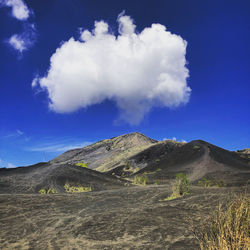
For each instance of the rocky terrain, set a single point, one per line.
(116, 212)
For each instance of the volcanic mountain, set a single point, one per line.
(111, 153)
(120, 213)
(110, 161)
(135, 154)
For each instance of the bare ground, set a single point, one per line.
(126, 218)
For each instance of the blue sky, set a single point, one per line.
(122, 94)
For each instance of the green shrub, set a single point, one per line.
(140, 180)
(204, 182)
(180, 187)
(76, 189)
(51, 191)
(196, 147)
(42, 191)
(82, 164)
(227, 228)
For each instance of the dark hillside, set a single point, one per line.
(200, 159)
(44, 176)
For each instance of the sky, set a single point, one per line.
(73, 72)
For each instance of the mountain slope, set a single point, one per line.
(200, 159)
(107, 154)
(44, 176)
(244, 153)
(146, 157)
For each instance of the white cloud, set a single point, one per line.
(17, 43)
(24, 40)
(10, 165)
(138, 71)
(50, 148)
(19, 8)
(174, 139)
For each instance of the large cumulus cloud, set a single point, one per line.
(135, 70)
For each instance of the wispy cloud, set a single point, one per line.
(20, 10)
(17, 133)
(24, 40)
(52, 148)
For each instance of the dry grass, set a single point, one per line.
(140, 180)
(227, 228)
(76, 189)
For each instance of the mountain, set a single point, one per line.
(111, 163)
(107, 154)
(45, 176)
(199, 159)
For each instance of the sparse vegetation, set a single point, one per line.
(49, 191)
(82, 164)
(180, 187)
(76, 189)
(196, 147)
(204, 182)
(227, 228)
(42, 191)
(140, 180)
(157, 182)
(220, 183)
